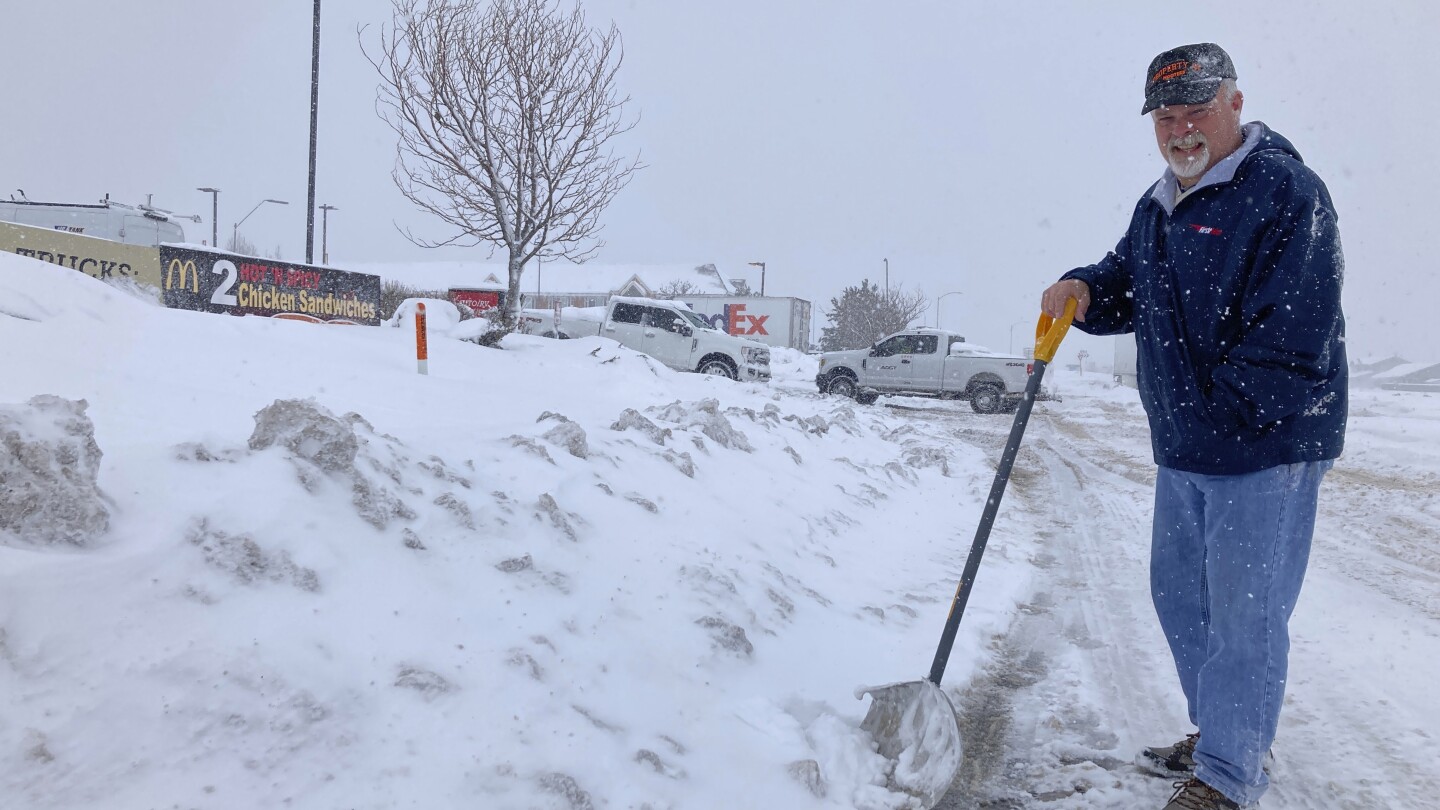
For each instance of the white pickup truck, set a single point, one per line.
(927, 363)
(666, 330)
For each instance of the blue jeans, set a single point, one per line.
(1228, 555)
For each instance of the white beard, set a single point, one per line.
(1190, 165)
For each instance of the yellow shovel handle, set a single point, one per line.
(1050, 331)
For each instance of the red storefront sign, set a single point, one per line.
(478, 300)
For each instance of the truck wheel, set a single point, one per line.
(987, 398)
(718, 368)
(867, 397)
(842, 385)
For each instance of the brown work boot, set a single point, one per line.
(1175, 761)
(1192, 794)
(1178, 761)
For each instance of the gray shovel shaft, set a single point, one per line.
(987, 519)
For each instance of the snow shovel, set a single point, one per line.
(913, 722)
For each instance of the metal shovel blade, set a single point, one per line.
(915, 727)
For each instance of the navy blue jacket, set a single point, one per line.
(1234, 298)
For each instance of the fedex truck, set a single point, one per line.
(782, 322)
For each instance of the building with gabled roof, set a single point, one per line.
(568, 284)
(1411, 377)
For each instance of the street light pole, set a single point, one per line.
(325, 232)
(887, 278)
(937, 305)
(235, 234)
(214, 215)
(760, 265)
(314, 124)
(1012, 334)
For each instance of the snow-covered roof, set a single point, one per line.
(559, 277)
(1376, 366)
(1428, 374)
(1403, 371)
(434, 275)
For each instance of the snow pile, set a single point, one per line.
(440, 315)
(557, 575)
(442, 319)
(975, 350)
(310, 432)
(706, 417)
(244, 560)
(49, 465)
(591, 315)
(319, 443)
(793, 369)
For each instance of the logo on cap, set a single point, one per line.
(1175, 70)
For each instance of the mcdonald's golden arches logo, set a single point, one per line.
(186, 267)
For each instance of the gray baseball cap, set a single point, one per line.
(1189, 74)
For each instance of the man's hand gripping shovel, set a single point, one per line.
(914, 723)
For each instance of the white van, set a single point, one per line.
(131, 225)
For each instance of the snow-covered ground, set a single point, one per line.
(1082, 678)
(562, 576)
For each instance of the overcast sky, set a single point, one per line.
(982, 147)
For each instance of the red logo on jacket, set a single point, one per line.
(1206, 229)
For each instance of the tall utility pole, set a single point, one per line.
(214, 215)
(314, 124)
(325, 232)
(887, 279)
(1012, 334)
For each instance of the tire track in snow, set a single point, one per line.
(1052, 720)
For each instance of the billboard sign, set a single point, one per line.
(99, 258)
(211, 281)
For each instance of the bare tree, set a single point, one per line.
(863, 315)
(675, 288)
(506, 113)
(241, 244)
(238, 243)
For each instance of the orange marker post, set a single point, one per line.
(422, 351)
